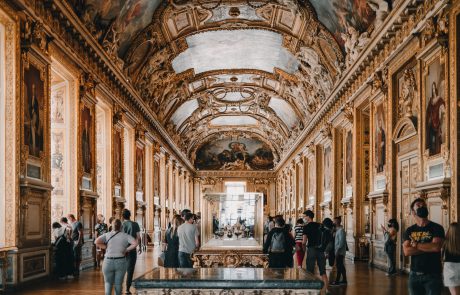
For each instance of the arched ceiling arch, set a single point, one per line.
(214, 68)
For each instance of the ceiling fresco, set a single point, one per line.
(234, 154)
(213, 71)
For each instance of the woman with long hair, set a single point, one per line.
(117, 244)
(451, 251)
(172, 243)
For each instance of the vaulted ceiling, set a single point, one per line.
(229, 70)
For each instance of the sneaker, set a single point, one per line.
(342, 283)
(334, 284)
(128, 292)
(70, 277)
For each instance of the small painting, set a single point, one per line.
(117, 157)
(34, 117)
(327, 169)
(139, 169)
(240, 154)
(301, 184)
(435, 108)
(156, 178)
(349, 157)
(86, 139)
(380, 139)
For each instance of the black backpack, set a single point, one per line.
(324, 238)
(278, 243)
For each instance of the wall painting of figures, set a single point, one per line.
(86, 121)
(117, 157)
(327, 169)
(229, 154)
(349, 157)
(34, 116)
(380, 139)
(435, 108)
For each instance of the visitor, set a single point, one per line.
(184, 212)
(299, 251)
(111, 219)
(131, 228)
(188, 241)
(279, 245)
(315, 239)
(340, 250)
(100, 229)
(329, 248)
(116, 244)
(451, 255)
(62, 251)
(77, 238)
(172, 243)
(423, 242)
(389, 237)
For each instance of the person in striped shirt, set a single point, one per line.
(299, 251)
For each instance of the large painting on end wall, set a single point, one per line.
(229, 154)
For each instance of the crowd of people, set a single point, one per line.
(115, 242)
(435, 256)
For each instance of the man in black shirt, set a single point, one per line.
(310, 242)
(131, 228)
(423, 242)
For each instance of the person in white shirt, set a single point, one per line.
(117, 244)
(188, 241)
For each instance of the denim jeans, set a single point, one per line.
(114, 272)
(391, 261)
(185, 260)
(427, 284)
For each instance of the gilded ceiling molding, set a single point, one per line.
(397, 31)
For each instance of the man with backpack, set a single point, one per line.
(316, 238)
(279, 245)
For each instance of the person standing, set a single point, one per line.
(62, 250)
(172, 243)
(117, 244)
(100, 229)
(77, 238)
(423, 242)
(279, 245)
(340, 250)
(451, 255)
(313, 233)
(131, 228)
(389, 237)
(188, 241)
(299, 251)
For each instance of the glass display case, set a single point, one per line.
(232, 221)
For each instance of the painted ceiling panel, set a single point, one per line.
(184, 111)
(233, 121)
(284, 111)
(241, 78)
(235, 49)
(337, 15)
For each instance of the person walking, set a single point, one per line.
(279, 245)
(100, 229)
(423, 242)
(77, 238)
(340, 250)
(390, 236)
(315, 239)
(299, 250)
(62, 251)
(451, 254)
(188, 241)
(117, 245)
(172, 243)
(131, 228)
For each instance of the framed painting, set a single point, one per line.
(380, 138)
(35, 117)
(118, 157)
(349, 157)
(139, 169)
(86, 124)
(311, 181)
(327, 169)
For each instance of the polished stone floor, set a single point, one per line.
(361, 280)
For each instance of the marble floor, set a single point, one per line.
(361, 280)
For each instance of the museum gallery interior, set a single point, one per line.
(344, 107)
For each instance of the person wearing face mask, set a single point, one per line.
(423, 242)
